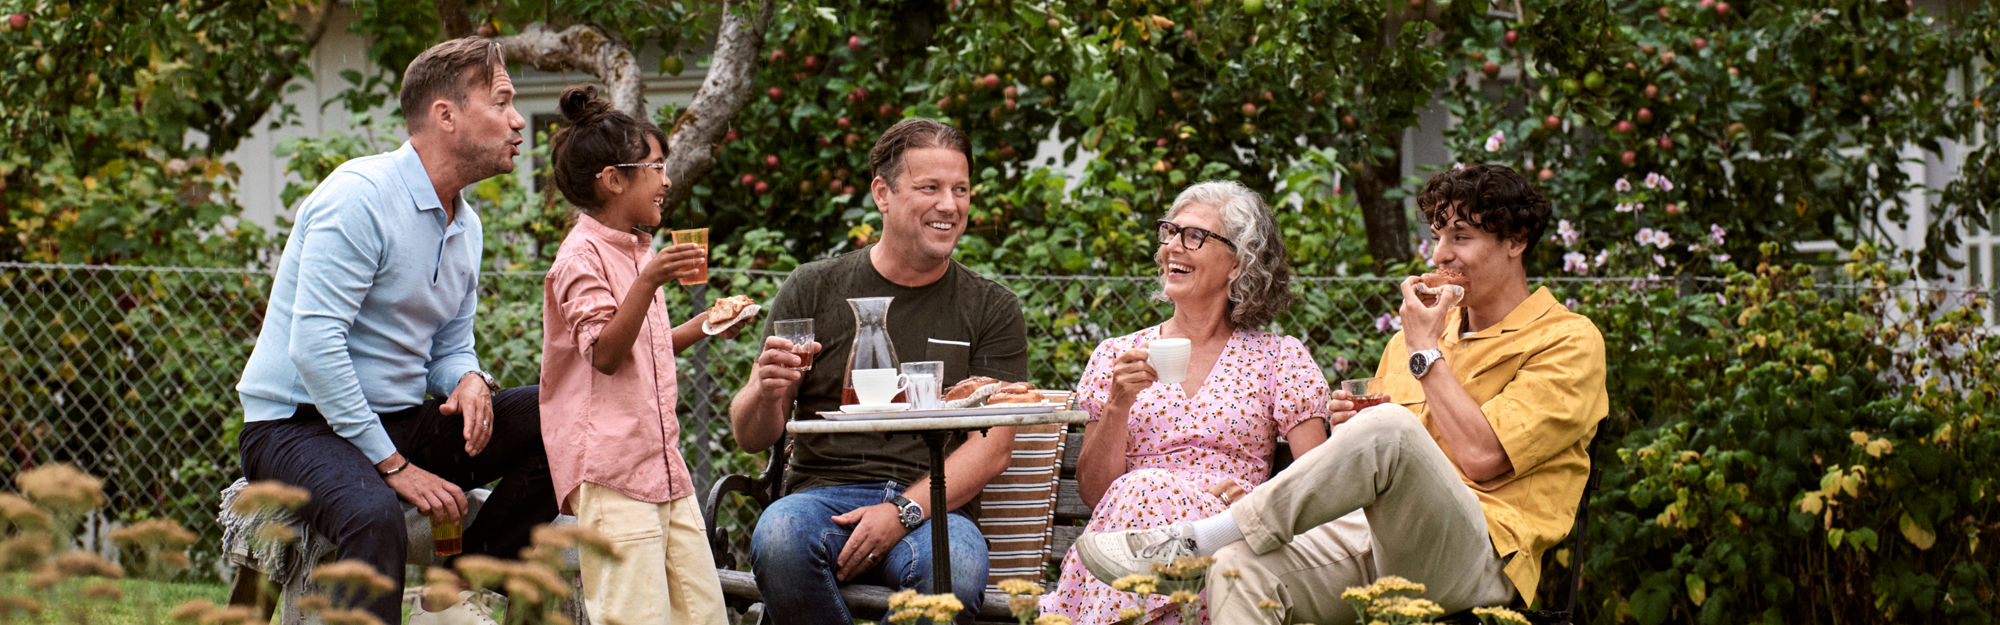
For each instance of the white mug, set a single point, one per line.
(1169, 358)
(875, 387)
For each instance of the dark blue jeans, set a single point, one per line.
(352, 505)
(797, 545)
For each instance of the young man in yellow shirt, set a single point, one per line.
(1460, 482)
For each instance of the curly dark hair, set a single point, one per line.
(594, 136)
(1493, 198)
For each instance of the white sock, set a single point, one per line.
(1214, 533)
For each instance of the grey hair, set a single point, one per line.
(1262, 286)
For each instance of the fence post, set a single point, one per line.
(704, 385)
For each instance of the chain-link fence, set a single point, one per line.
(130, 372)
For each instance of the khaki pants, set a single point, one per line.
(1378, 498)
(666, 574)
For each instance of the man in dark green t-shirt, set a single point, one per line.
(858, 505)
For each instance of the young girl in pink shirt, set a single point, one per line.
(608, 381)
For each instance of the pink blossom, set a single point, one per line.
(1720, 258)
(1576, 262)
(1340, 363)
(1645, 236)
(1603, 256)
(1622, 186)
(1622, 207)
(1388, 323)
(1659, 260)
(1494, 142)
(1717, 233)
(1567, 233)
(1661, 239)
(1656, 181)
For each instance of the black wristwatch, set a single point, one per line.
(909, 512)
(1422, 360)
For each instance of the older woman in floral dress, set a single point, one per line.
(1155, 454)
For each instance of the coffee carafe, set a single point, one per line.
(872, 348)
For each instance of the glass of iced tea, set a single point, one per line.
(1365, 392)
(697, 236)
(800, 333)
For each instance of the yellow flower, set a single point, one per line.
(84, 563)
(1052, 619)
(276, 534)
(104, 591)
(1183, 597)
(1268, 604)
(1232, 574)
(902, 598)
(1499, 616)
(1142, 584)
(62, 488)
(156, 533)
(22, 513)
(352, 574)
(315, 603)
(483, 571)
(441, 586)
(1130, 615)
(1019, 587)
(269, 496)
(192, 611)
(348, 617)
(1392, 584)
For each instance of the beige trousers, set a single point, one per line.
(1378, 498)
(665, 573)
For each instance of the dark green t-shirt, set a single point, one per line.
(970, 322)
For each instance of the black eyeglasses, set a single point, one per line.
(1192, 237)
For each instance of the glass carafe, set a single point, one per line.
(871, 348)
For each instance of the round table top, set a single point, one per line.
(822, 426)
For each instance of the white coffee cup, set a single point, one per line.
(1169, 358)
(875, 387)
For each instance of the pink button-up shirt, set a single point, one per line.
(618, 431)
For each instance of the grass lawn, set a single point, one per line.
(143, 602)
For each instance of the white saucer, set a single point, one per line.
(854, 408)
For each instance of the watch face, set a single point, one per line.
(1418, 365)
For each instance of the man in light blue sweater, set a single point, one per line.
(364, 388)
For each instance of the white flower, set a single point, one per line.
(1661, 239)
(1720, 258)
(1388, 323)
(1457, 166)
(1659, 260)
(1656, 181)
(1603, 256)
(1645, 236)
(1576, 262)
(1622, 207)
(1494, 142)
(1622, 185)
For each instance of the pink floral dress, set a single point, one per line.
(1261, 386)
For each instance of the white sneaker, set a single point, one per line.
(1113, 555)
(465, 612)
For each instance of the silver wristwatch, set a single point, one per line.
(1422, 360)
(491, 384)
(910, 513)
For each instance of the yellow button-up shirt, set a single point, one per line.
(1538, 375)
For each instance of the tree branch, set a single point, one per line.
(586, 49)
(692, 140)
(270, 89)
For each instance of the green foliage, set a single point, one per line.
(113, 134)
(1801, 453)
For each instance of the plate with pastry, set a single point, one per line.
(1432, 284)
(970, 392)
(725, 313)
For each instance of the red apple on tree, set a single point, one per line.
(749, 179)
(1645, 116)
(812, 62)
(1545, 174)
(761, 188)
(1048, 80)
(991, 81)
(1722, 9)
(1700, 44)
(885, 110)
(1673, 209)
(842, 123)
(1552, 122)
(1011, 92)
(1249, 109)
(777, 56)
(1629, 158)
(771, 161)
(1666, 142)
(1512, 38)
(854, 43)
(1623, 126)
(1652, 91)
(1491, 69)
(775, 93)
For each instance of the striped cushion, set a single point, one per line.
(1015, 507)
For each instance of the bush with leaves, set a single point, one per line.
(1806, 453)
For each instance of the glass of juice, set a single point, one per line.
(447, 536)
(697, 236)
(1365, 392)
